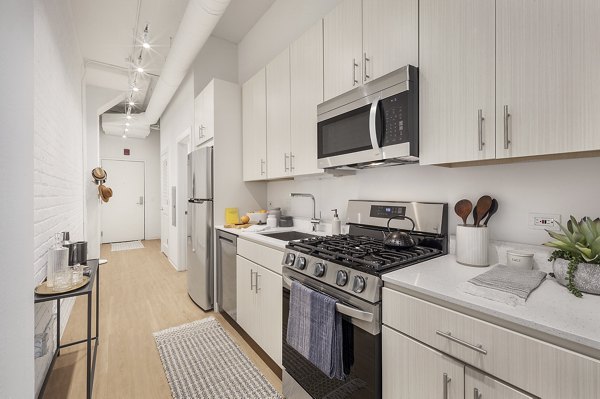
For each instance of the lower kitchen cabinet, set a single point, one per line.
(412, 370)
(259, 305)
(482, 386)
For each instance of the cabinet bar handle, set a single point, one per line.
(354, 65)
(480, 128)
(365, 59)
(476, 393)
(262, 166)
(252, 286)
(292, 158)
(445, 381)
(256, 289)
(506, 116)
(448, 335)
(285, 162)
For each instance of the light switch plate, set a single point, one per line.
(544, 221)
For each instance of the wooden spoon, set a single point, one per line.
(463, 209)
(483, 207)
(493, 209)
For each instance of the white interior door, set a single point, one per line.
(122, 217)
(164, 203)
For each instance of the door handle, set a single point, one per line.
(446, 380)
(476, 394)
(141, 201)
(480, 120)
(448, 335)
(365, 59)
(506, 117)
(354, 66)
(256, 289)
(373, 127)
(251, 284)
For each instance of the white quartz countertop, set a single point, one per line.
(551, 309)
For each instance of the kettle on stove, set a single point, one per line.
(399, 239)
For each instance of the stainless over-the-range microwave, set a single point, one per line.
(371, 125)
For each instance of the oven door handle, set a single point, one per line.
(373, 127)
(341, 308)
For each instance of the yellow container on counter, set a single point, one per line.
(232, 216)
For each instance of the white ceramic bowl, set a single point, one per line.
(256, 217)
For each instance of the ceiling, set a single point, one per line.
(110, 36)
(239, 18)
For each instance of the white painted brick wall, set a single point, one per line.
(58, 154)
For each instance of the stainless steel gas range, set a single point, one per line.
(349, 268)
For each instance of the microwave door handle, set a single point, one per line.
(373, 127)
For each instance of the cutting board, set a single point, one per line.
(237, 226)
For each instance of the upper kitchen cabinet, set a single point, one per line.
(390, 36)
(456, 81)
(204, 109)
(278, 116)
(342, 41)
(547, 77)
(254, 124)
(306, 70)
(367, 39)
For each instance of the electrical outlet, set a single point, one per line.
(544, 221)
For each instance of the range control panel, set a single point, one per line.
(386, 212)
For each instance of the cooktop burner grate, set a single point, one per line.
(362, 253)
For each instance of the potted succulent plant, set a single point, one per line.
(576, 260)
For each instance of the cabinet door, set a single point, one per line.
(254, 125)
(342, 33)
(269, 312)
(306, 70)
(482, 386)
(390, 36)
(246, 300)
(412, 370)
(278, 116)
(208, 111)
(456, 81)
(547, 77)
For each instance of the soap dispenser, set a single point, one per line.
(336, 225)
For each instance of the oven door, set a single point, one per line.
(361, 328)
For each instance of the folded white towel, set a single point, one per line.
(257, 227)
(491, 294)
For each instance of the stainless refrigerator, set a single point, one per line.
(200, 227)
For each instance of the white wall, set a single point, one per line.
(176, 120)
(563, 187)
(283, 22)
(16, 212)
(58, 194)
(97, 101)
(147, 150)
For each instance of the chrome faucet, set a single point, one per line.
(315, 222)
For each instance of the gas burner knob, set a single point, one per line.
(320, 269)
(359, 284)
(301, 263)
(342, 278)
(289, 259)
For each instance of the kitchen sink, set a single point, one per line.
(289, 235)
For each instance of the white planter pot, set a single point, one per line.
(587, 276)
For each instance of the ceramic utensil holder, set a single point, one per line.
(472, 245)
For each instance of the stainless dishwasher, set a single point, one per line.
(226, 273)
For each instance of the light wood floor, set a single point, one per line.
(140, 293)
